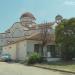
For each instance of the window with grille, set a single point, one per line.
(51, 49)
(36, 48)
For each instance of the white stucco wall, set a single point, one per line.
(17, 50)
(21, 50)
(24, 47)
(53, 59)
(30, 45)
(10, 49)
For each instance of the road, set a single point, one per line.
(19, 69)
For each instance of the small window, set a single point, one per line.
(36, 48)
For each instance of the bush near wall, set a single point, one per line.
(34, 58)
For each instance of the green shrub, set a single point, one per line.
(34, 58)
(67, 55)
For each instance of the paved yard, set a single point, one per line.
(18, 69)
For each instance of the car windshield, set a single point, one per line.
(6, 55)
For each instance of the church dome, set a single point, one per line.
(28, 14)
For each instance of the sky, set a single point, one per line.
(43, 10)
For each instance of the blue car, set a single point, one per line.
(6, 57)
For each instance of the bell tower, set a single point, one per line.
(27, 19)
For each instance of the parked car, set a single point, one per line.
(6, 57)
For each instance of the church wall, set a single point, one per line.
(11, 50)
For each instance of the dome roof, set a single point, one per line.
(58, 17)
(28, 14)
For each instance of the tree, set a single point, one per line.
(65, 38)
(45, 35)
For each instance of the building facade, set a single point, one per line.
(24, 38)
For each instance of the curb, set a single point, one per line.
(55, 69)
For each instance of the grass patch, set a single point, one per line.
(61, 65)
